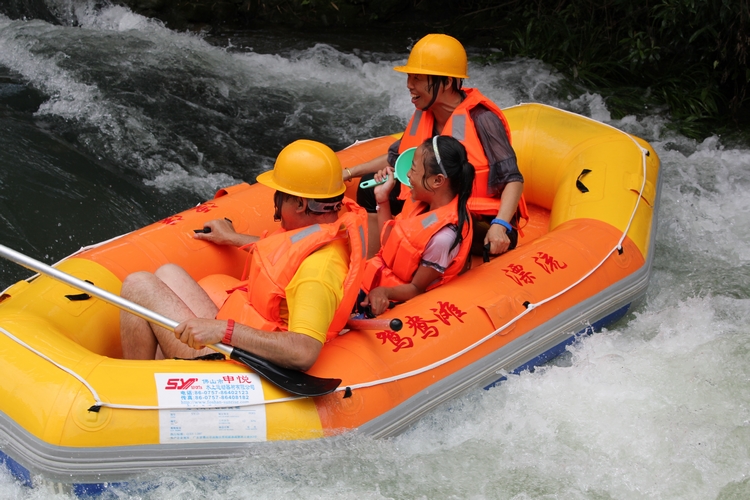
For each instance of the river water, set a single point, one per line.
(109, 121)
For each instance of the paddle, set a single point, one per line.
(293, 381)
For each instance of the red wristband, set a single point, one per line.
(228, 333)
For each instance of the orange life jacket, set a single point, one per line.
(273, 262)
(461, 127)
(411, 230)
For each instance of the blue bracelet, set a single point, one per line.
(508, 227)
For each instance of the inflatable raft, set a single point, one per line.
(582, 260)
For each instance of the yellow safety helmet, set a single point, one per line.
(440, 55)
(308, 169)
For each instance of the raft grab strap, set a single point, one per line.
(581, 187)
(79, 296)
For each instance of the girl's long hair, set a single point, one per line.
(460, 176)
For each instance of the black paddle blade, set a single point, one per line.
(293, 381)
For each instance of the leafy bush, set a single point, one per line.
(690, 55)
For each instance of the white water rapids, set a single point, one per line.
(120, 121)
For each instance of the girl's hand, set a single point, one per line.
(382, 191)
(377, 299)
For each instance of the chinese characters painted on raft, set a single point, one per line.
(444, 313)
(522, 277)
(203, 208)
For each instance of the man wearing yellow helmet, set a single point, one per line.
(436, 68)
(302, 281)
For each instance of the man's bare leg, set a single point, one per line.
(191, 293)
(188, 290)
(137, 338)
(140, 338)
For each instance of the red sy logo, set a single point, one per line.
(180, 384)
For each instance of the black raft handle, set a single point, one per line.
(579, 184)
(79, 296)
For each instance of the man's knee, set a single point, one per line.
(136, 283)
(168, 271)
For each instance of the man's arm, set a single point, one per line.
(313, 296)
(221, 232)
(369, 167)
(287, 349)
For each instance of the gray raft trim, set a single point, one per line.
(87, 465)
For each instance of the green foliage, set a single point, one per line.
(691, 55)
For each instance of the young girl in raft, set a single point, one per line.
(428, 243)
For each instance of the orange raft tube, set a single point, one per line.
(581, 262)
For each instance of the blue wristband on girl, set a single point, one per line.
(508, 227)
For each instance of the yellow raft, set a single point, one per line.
(583, 259)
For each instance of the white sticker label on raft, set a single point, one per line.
(191, 422)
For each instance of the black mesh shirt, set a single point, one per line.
(496, 144)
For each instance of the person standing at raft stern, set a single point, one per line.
(436, 68)
(427, 244)
(287, 307)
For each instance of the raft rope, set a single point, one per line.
(98, 403)
(44, 356)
